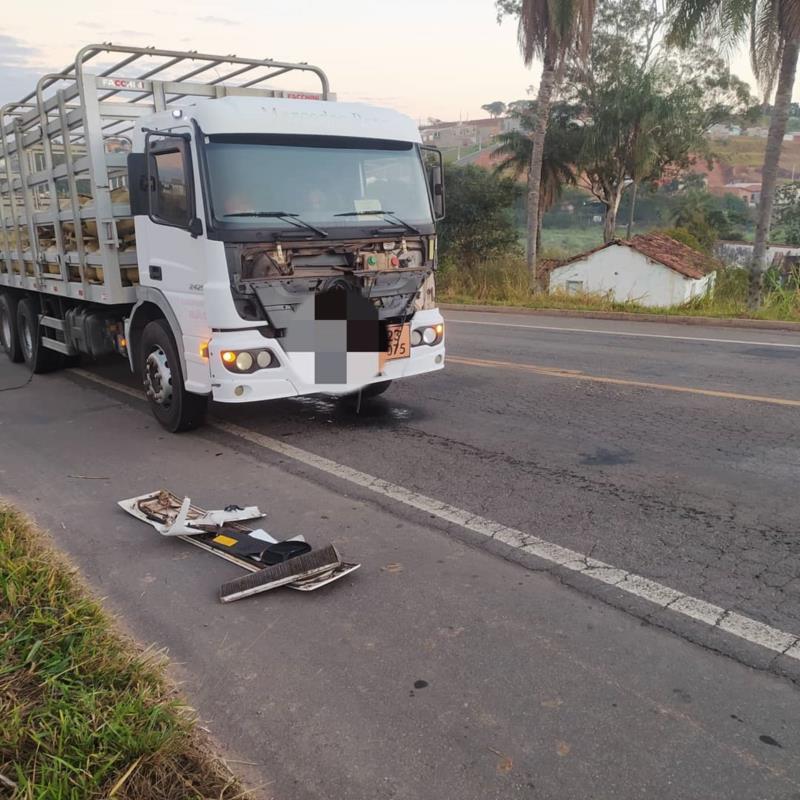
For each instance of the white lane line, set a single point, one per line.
(451, 320)
(750, 630)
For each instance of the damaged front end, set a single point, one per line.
(271, 281)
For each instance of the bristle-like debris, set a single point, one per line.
(304, 566)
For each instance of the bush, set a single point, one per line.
(480, 216)
(685, 236)
(505, 282)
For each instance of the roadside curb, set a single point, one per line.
(719, 322)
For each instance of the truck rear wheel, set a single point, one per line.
(9, 334)
(39, 359)
(175, 408)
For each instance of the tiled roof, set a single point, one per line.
(659, 247)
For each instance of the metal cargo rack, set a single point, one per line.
(65, 222)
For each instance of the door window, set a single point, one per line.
(171, 196)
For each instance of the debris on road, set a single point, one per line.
(324, 561)
(274, 563)
(173, 517)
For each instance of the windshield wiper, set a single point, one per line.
(388, 216)
(293, 219)
(375, 213)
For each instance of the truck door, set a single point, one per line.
(171, 248)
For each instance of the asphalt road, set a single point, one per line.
(451, 666)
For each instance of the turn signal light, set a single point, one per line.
(228, 356)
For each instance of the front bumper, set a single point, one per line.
(287, 379)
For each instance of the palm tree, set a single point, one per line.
(774, 27)
(550, 30)
(562, 145)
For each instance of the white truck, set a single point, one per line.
(235, 242)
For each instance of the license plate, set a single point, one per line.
(399, 345)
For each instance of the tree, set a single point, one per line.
(691, 213)
(646, 109)
(479, 223)
(562, 144)
(551, 30)
(787, 205)
(774, 27)
(495, 109)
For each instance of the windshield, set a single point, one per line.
(315, 182)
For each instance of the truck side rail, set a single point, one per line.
(65, 221)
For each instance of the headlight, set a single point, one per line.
(430, 335)
(244, 361)
(264, 358)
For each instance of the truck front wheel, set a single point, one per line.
(9, 336)
(175, 408)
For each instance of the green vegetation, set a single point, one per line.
(552, 30)
(787, 206)
(773, 30)
(452, 154)
(565, 242)
(504, 282)
(85, 715)
(480, 223)
(748, 151)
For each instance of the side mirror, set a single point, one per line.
(437, 191)
(138, 185)
(435, 162)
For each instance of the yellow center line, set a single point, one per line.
(555, 372)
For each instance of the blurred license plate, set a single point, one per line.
(399, 345)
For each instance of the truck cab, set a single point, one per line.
(295, 239)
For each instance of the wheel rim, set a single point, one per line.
(158, 377)
(5, 328)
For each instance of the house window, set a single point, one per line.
(574, 287)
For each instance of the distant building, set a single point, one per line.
(749, 192)
(467, 132)
(652, 270)
(724, 131)
(740, 253)
(759, 133)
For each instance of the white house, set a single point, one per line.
(651, 270)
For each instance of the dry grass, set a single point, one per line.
(748, 152)
(85, 714)
(505, 282)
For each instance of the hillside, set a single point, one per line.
(739, 160)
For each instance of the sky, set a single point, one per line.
(426, 58)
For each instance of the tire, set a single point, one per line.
(375, 389)
(39, 359)
(176, 409)
(9, 334)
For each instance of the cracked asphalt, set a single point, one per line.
(448, 666)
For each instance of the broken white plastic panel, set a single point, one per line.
(260, 533)
(187, 522)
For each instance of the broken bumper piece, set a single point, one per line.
(221, 533)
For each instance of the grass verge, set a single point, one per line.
(505, 282)
(84, 713)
